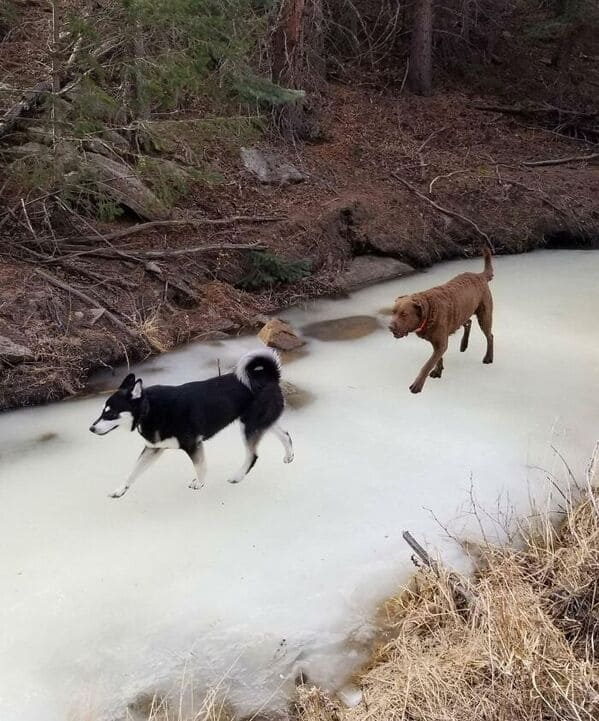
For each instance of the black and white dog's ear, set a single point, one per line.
(129, 383)
(138, 389)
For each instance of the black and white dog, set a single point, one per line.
(187, 415)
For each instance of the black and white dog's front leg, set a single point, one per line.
(285, 439)
(146, 458)
(251, 455)
(199, 463)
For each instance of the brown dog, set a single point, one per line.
(437, 313)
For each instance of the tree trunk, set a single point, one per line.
(421, 49)
(286, 41)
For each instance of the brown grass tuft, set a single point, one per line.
(523, 647)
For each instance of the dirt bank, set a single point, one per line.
(417, 179)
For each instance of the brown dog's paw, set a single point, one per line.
(435, 374)
(486, 360)
(415, 387)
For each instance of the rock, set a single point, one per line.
(269, 169)
(350, 328)
(295, 397)
(30, 149)
(122, 185)
(278, 334)
(172, 170)
(14, 352)
(369, 269)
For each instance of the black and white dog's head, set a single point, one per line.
(122, 409)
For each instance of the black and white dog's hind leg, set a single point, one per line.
(251, 437)
(285, 439)
(146, 458)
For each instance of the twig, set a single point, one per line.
(430, 137)
(447, 175)
(86, 299)
(405, 76)
(560, 161)
(195, 222)
(445, 211)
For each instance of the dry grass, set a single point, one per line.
(522, 648)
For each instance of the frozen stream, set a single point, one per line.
(102, 600)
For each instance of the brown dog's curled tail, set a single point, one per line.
(488, 271)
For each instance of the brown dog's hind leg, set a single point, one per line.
(437, 371)
(466, 336)
(484, 315)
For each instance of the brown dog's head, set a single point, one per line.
(409, 313)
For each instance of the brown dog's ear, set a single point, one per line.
(421, 307)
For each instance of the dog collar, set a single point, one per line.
(422, 328)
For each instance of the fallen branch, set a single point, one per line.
(138, 255)
(194, 222)
(457, 587)
(560, 161)
(86, 299)
(508, 109)
(420, 552)
(445, 211)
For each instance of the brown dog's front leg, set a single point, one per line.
(439, 349)
(466, 336)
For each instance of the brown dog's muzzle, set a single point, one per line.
(396, 332)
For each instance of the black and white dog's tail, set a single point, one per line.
(258, 369)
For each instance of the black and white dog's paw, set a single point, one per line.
(196, 485)
(289, 457)
(235, 479)
(119, 492)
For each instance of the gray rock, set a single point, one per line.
(12, 352)
(30, 149)
(368, 269)
(269, 169)
(121, 184)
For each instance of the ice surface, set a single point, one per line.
(102, 599)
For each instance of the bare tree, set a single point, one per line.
(421, 49)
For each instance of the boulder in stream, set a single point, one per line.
(368, 269)
(280, 335)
